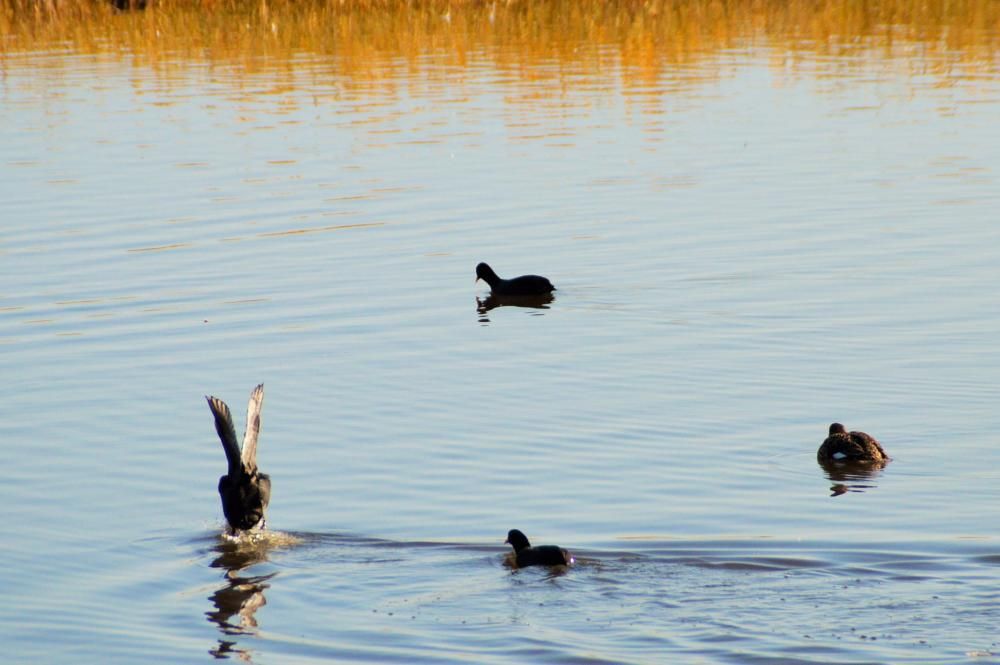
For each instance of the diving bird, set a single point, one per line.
(525, 285)
(542, 555)
(245, 491)
(844, 446)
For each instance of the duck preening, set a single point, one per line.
(844, 446)
(542, 555)
(525, 285)
(245, 491)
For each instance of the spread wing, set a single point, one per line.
(227, 434)
(249, 455)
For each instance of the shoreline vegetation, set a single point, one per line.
(369, 37)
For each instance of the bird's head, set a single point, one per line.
(517, 540)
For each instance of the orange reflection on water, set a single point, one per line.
(558, 43)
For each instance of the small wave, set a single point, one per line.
(264, 538)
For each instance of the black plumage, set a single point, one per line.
(525, 285)
(244, 490)
(542, 555)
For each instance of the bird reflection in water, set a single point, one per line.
(240, 597)
(492, 301)
(851, 476)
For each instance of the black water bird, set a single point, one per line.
(525, 285)
(245, 491)
(844, 446)
(542, 555)
(126, 5)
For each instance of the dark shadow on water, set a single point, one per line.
(237, 601)
(851, 476)
(493, 301)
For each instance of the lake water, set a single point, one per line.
(751, 239)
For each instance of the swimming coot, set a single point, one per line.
(525, 285)
(844, 446)
(245, 491)
(542, 555)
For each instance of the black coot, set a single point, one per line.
(245, 491)
(542, 555)
(525, 285)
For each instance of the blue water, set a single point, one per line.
(743, 253)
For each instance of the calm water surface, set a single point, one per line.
(747, 246)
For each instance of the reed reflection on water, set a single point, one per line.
(369, 43)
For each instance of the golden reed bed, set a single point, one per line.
(367, 36)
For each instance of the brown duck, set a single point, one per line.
(245, 491)
(844, 446)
